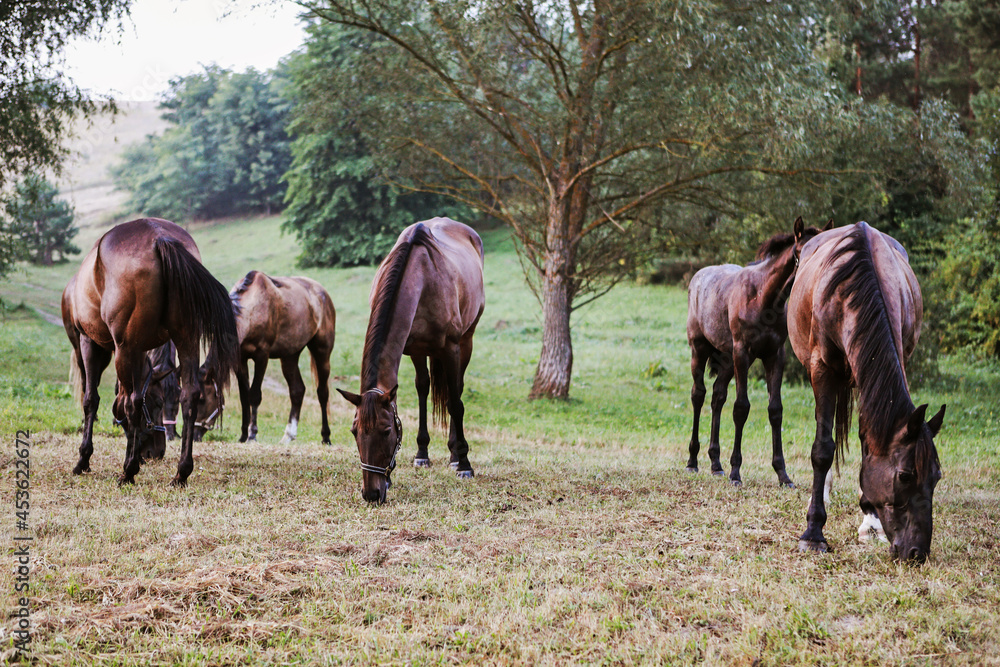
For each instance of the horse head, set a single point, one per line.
(899, 485)
(212, 402)
(378, 434)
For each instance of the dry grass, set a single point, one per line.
(553, 554)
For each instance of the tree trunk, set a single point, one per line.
(555, 365)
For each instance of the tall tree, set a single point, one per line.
(572, 121)
(37, 101)
(43, 223)
(342, 211)
(225, 153)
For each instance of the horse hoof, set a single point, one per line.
(178, 483)
(125, 479)
(691, 469)
(737, 483)
(788, 485)
(421, 463)
(79, 470)
(465, 474)
(719, 473)
(285, 440)
(806, 546)
(454, 465)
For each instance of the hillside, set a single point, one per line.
(97, 145)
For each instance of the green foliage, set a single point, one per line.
(225, 153)
(343, 212)
(42, 223)
(38, 102)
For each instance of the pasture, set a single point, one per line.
(580, 540)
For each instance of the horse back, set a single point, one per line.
(709, 294)
(444, 279)
(821, 322)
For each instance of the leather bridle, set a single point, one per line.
(387, 470)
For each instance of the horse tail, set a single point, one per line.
(206, 306)
(439, 393)
(842, 421)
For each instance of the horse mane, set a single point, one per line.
(775, 246)
(883, 397)
(237, 292)
(383, 306)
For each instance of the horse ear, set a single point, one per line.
(161, 372)
(936, 421)
(353, 399)
(829, 226)
(915, 425)
(392, 393)
(798, 228)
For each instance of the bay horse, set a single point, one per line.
(164, 359)
(854, 317)
(426, 300)
(141, 285)
(277, 318)
(736, 315)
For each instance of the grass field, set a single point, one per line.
(580, 540)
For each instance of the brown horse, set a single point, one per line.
(426, 300)
(277, 318)
(141, 285)
(736, 315)
(854, 316)
(164, 359)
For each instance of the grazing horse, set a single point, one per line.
(141, 285)
(854, 316)
(165, 358)
(736, 315)
(426, 300)
(277, 318)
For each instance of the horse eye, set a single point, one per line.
(388, 432)
(906, 477)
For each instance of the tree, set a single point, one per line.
(342, 212)
(43, 223)
(38, 101)
(572, 122)
(225, 153)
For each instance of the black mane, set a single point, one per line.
(383, 306)
(775, 246)
(883, 397)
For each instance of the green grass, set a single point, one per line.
(581, 539)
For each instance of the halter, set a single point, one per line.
(386, 471)
(150, 426)
(208, 423)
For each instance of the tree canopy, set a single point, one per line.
(40, 221)
(37, 101)
(596, 130)
(225, 153)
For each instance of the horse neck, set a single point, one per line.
(380, 364)
(780, 269)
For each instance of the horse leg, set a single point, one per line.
(191, 397)
(455, 361)
(321, 362)
(719, 392)
(259, 368)
(741, 409)
(243, 384)
(825, 390)
(423, 384)
(92, 360)
(130, 366)
(296, 391)
(774, 368)
(699, 357)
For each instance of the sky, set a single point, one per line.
(169, 38)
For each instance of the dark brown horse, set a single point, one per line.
(736, 315)
(141, 285)
(164, 360)
(277, 318)
(426, 300)
(854, 317)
